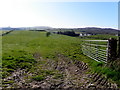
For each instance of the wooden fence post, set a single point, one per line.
(112, 49)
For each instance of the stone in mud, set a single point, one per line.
(91, 86)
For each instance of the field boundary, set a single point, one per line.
(6, 33)
(106, 51)
(95, 51)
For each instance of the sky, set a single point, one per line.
(64, 14)
(119, 15)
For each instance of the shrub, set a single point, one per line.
(48, 34)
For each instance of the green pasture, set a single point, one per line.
(3, 31)
(18, 48)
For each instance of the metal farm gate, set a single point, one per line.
(96, 49)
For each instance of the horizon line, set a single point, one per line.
(59, 27)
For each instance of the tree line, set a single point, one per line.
(69, 33)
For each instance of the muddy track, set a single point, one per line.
(73, 71)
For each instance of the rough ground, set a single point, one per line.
(72, 75)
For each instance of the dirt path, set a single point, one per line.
(72, 74)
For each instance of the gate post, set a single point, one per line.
(112, 49)
(119, 44)
(119, 47)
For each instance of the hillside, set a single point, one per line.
(91, 30)
(87, 30)
(31, 59)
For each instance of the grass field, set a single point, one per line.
(3, 31)
(19, 47)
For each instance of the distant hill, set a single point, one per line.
(99, 30)
(87, 30)
(91, 30)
